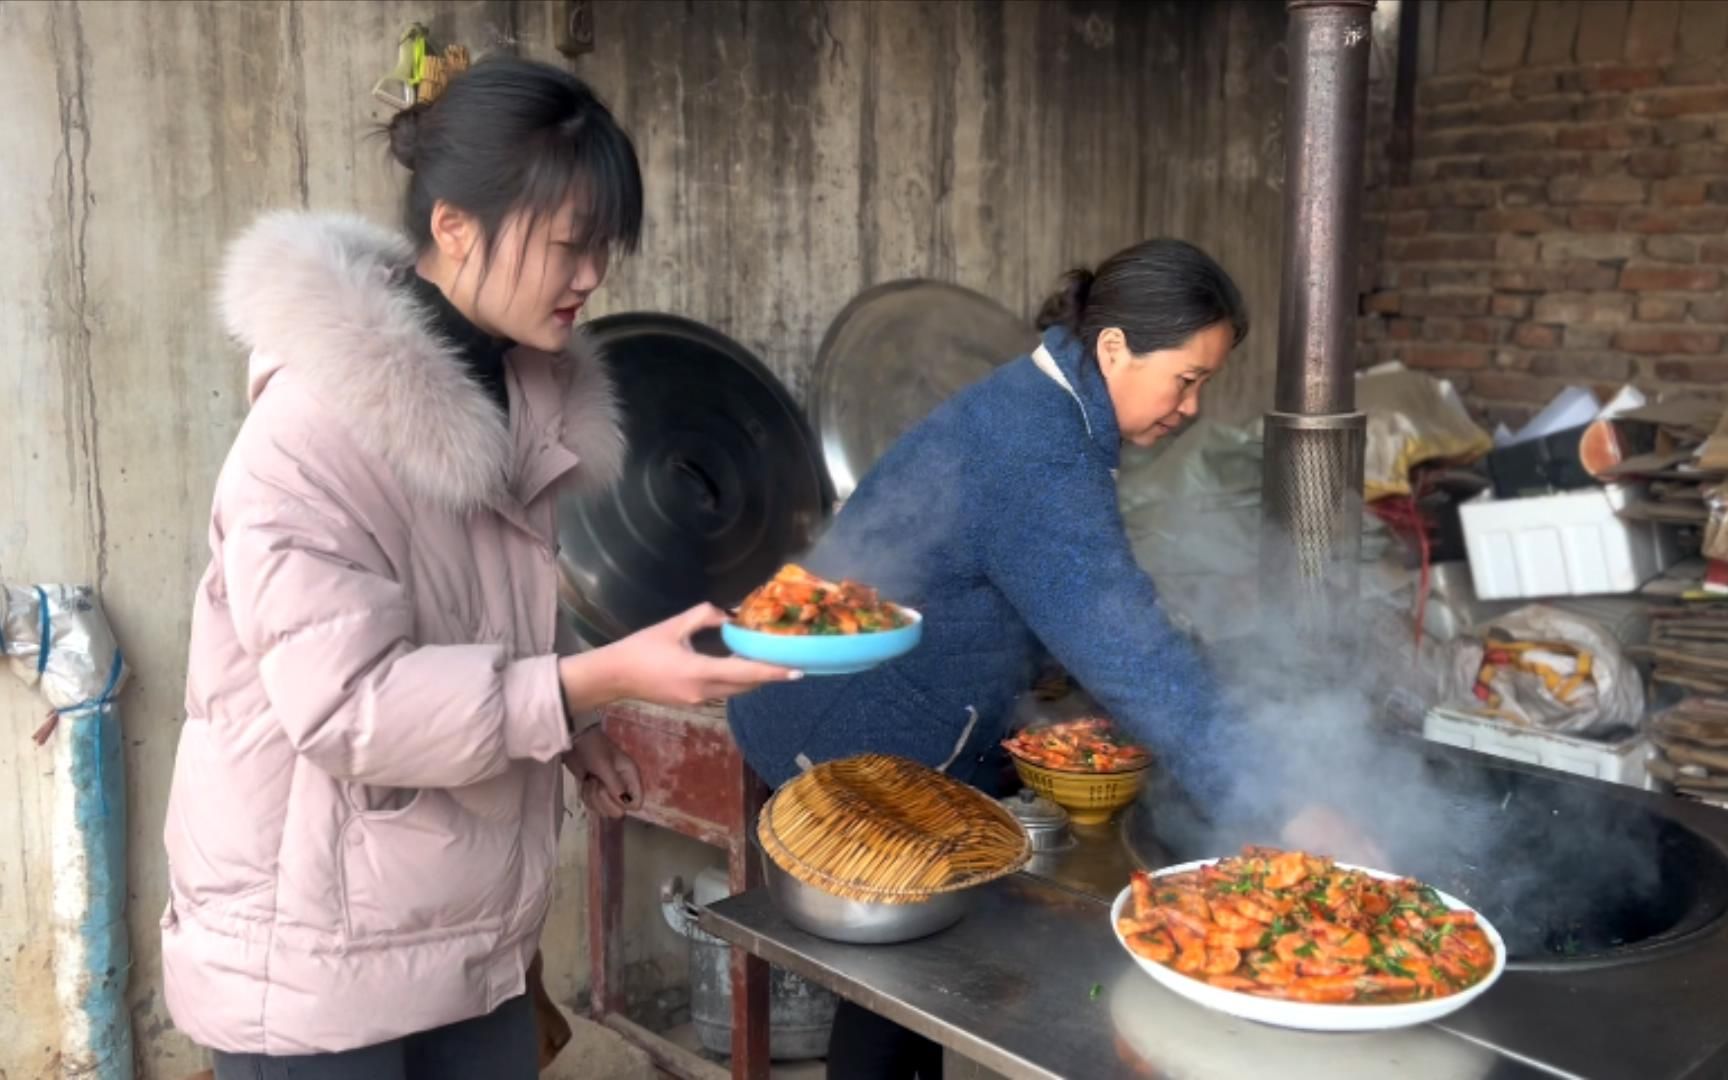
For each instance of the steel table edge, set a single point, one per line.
(961, 1042)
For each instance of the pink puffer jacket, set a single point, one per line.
(363, 827)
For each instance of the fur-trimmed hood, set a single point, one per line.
(316, 294)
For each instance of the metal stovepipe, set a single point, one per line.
(1312, 493)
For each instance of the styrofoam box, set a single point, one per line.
(1624, 762)
(1571, 544)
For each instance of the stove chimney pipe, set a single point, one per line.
(1311, 535)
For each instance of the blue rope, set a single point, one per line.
(100, 705)
(46, 631)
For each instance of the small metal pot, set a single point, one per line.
(856, 922)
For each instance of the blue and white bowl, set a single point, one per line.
(826, 654)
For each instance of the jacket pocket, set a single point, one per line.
(428, 866)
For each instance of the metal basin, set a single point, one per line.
(1571, 872)
(855, 922)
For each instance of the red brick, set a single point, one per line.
(1668, 279)
(1592, 219)
(1451, 219)
(1716, 191)
(1612, 190)
(1608, 162)
(1660, 309)
(1673, 249)
(1714, 252)
(1523, 194)
(1697, 72)
(1598, 80)
(1468, 168)
(1431, 356)
(1455, 143)
(1509, 113)
(1703, 159)
(1484, 331)
(1654, 164)
(1511, 386)
(1443, 328)
(1688, 191)
(1451, 117)
(1587, 337)
(1382, 303)
(1582, 365)
(1401, 329)
(1711, 99)
(1605, 137)
(1536, 336)
(1709, 309)
(1697, 219)
(1460, 279)
(1445, 304)
(1441, 248)
(1406, 223)
(1511, 248)
(1691, 371)
(1593, 277)
(1534, 83)
(1588, 248)
(1512, 307)
(1532, 166)
(1447, 90)
(1530, 280)
(1469, 196)
(1599, 309)
(1603, 107)
(1519, 221)
(1676, 132)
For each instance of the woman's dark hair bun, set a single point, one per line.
(1067, 304)
(404, 130)
(1158, 293)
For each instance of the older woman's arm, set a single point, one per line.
(1056, 548)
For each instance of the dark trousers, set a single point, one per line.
(499, 1046)
(864, 1046)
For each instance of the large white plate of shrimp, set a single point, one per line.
(1300, 941)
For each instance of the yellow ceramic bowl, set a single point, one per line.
(1089, 798)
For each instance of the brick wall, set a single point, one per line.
(1566, 219)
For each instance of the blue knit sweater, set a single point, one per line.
(997, 518)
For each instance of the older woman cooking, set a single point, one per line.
(997, 517)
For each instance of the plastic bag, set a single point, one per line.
(1412, 418)
(1546, 668)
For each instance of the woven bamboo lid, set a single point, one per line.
(888, 830)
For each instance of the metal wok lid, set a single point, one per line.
(895, 353)
(721, 484)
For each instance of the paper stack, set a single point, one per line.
(1689, 653)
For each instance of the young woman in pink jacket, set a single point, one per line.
(363, 828)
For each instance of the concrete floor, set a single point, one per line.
(599, 1053)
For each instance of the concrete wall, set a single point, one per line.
(1568, 198)
(795, 153)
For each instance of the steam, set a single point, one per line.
(1560, 869)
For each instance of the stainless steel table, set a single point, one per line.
(1011, 987)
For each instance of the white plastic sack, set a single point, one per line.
(1412, 418)
(1608, 699)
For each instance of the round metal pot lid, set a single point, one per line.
(895, 353)
(722, 483)
(1035, 811)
